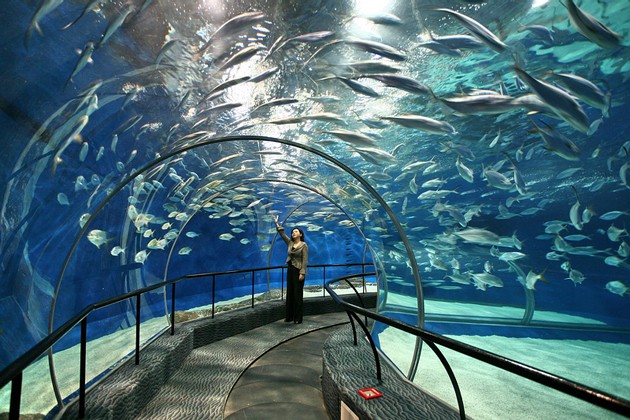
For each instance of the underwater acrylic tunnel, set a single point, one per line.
(476, 152)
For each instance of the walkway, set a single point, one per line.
(283, 383)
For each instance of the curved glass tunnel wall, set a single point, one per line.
(516, 213)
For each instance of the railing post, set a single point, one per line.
(282, 285)
(173, 310)
(213, 289)
(323, 283)
(138, 329)
(16, 396)
(82, 370)
(253, 289)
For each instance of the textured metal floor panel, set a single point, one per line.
(200, 387)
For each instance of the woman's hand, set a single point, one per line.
(301, 277)
(276, 218)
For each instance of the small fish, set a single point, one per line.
(377, 48)
(93, 5)
(617, 287)
(62, 198)
(311, 37)
(85, 147)
(612, 215)
(577, 277)
(185, 250)
(117, 250)
(141, 256)
(532, 278)
(97, 237)
(84, 58)
(241, 56)
(233, 25)
(228, 84)
(264, 75)
(226, 236)
(115, 24)
(164, 50)
(44, 8)
(192, 234)
(356, 86)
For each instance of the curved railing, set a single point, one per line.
(582, 392)
(13, 372)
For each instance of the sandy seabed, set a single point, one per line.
(493, 393)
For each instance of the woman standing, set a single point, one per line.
(297, 261)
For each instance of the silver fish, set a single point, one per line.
(165, 49)
(562, 103)
(228, 84)
(401, 82)
(115, 24)
(84, 58)
(477, 29)
(310, 37)
(264, 75)
(233, 25)
(356, 86)
(241, 56)
(458, 42)
(558, 143)
(585, 90)
(420, 122)
(91, 6)
(592, 28)
(45, 7)
(377, 48)
(486, 104)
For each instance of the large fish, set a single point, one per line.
(458, 42)
(592, 28)
(480, 104)
(558, 143)
(420, 122)
(401, 82)
(477, 29)
(561, 102)
(377, 48)
(585, 90)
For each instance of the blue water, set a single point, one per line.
(138, 123)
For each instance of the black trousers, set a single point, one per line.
(295, 295)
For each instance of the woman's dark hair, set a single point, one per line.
(301, 232)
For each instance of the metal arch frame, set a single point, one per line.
(231, 188)
(306, 202)
(146, 167)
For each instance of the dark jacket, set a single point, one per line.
(298, 258)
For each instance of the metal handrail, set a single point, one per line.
(13, 372)
(580, 391)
